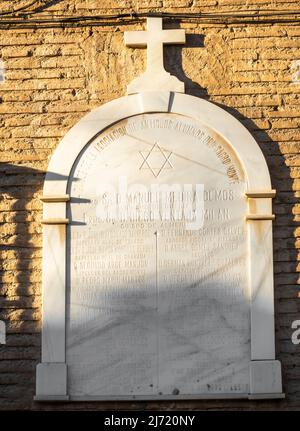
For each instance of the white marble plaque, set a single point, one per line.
(158, 298)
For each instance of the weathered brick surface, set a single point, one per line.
(55, 75)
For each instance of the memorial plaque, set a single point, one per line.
(158, 291)
(157, 249)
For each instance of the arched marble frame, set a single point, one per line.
(265, 371)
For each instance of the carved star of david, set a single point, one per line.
(156, 160)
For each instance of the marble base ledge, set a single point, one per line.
(266, 396)
(51, 398)
(160, 397)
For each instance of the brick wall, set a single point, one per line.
(53, 76)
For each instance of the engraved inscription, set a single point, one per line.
(154, 308)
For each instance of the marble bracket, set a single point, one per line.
(260, 217)
(55, 198)
(263, 203)
(261, 194)
(56, 221)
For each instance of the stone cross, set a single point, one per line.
(156, 78)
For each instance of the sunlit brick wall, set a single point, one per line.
(51, 77)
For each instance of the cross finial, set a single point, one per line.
(154, 38)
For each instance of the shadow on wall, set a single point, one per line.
(20, 282)
(173, 65)
(286, 277)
